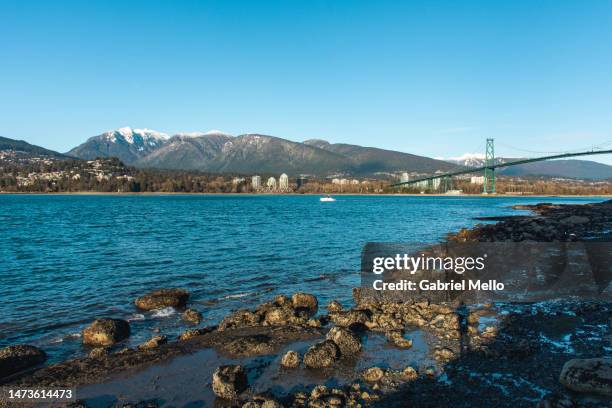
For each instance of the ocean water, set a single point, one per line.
(69, 259)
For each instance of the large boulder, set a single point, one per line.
(229, 381)
(347, 342)
(161, 298)
(305, 301)
(279, 316)
(106, 332)
(588, 375)
(17, 358)
(324, 354)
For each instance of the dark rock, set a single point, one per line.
(373, 374)
(270, 403)
(99, 353)
(575, 219)
(283, 301)
(291, 359)
(161, 298)
(241, 318)
(347, 342)
(17, 358)
(229, 381)
(588, 375)
(106, 332)
(324, 354)
(314, 323)
(556, 401)
(305, 301)
(192, 316)
(444, 354)
(410, 374)
(189, 334)
(349, 317)
(153, 343)
(279, 316)
(334, 306)
(250, 345)
(396, 337)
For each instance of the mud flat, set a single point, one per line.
(293, 352)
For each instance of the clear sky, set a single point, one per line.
(430, 77)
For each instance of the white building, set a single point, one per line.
(354, 181)
(256, 182)
(336, 181)
(477, 180)
(271, 184)
(237, 180)
(435, 183)
(283, 182)
(404, 178)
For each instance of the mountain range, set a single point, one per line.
(218, 152)
(569, 168)
(215, 151)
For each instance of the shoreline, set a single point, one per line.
(101, 193)
(243, 342)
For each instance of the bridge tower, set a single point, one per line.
(447, 183)
(489, 173)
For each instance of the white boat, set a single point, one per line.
(327, 199)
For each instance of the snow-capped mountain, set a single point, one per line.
(582, 169)
(126, 143)
(217, 151)
(471, 160)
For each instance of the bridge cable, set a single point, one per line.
(599, 146)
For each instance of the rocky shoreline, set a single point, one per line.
(550, 354)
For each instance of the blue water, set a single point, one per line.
(69, 259)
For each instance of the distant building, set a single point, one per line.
(256, 183)
(237, 180)
(422, 184)
(404, 178)
(477, 180)
(354, 181)
(435, 183)
(344, 181)
(283, 182)
(336, 181)
(271, 184)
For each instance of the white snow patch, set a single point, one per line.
(468, 156)
(212, 132)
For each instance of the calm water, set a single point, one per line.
(69, 259)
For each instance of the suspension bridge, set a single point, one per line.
(490, 166)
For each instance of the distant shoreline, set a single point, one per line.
(101, 193)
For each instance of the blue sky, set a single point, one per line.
(432, 77)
